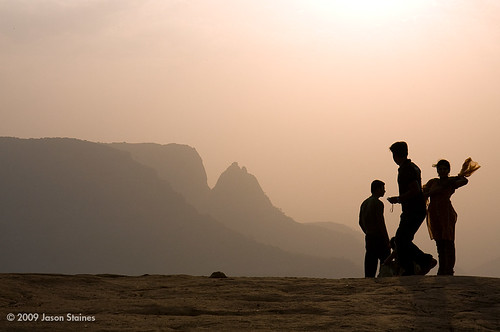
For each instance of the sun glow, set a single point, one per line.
(368, 11)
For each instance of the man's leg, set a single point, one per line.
(371, 261)
(425, 261)
(405, 256)
(407, 251)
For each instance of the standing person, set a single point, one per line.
(441, 216)
(371, 220)
(413, 213)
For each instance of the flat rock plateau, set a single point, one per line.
(185, 303)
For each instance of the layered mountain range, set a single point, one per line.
(73, 206)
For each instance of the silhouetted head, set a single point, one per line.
(378, 188)
(399, 152)
(399, 149)
(443, 168)
(443, 163)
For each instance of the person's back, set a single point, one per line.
(372, 218)
(408, 174)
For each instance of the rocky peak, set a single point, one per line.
(236, 185)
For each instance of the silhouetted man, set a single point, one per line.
(371, 220)
(413, 213)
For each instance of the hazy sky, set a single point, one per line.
(307, 94)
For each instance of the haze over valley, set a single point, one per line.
(262, 121)
(73, 206)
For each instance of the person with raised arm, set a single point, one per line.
(441, 216)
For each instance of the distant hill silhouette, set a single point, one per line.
(341, 228)
(238, 201)
(180, 165)
(72, 206)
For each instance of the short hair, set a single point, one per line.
(444, 163)
(400, 149)
(376, 184)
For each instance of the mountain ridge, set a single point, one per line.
(238, 201)
(73, 206)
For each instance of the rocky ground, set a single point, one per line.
(44, 302)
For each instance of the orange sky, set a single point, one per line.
(308, 95)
